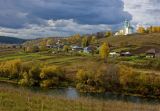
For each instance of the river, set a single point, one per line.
(73, 93)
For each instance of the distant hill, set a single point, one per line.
(11, 40)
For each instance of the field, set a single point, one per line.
(70, 63)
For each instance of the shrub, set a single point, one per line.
(51, 76)
(126, 75)
(97, 79)
(25, 80)
(32, 49)
(31, 77)
(11, 69)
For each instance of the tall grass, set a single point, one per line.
(12, 99)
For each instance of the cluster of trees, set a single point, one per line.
(100, 79)
(65, 44)
(152, 29)
(86, 41)
(74, 39)
(94, 78)
(32, 73)
(39, 45)
(90, 81)
(139, 82)
(108, 34)
(118, 78)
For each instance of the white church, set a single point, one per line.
(127, 29)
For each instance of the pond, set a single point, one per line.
(73, 93)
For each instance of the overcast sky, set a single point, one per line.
(43, 18)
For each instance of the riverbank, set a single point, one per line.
(116, 92)
(20, 99)
(85, 73)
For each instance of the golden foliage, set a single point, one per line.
(104, 51)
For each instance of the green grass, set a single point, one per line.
(12, 99)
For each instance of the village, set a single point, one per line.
(90, 44)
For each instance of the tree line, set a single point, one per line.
(151, 29)
(92, 78)
(32, 73)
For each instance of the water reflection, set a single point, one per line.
(72, 93)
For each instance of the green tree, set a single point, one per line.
(104, 51)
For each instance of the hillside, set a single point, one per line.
(11, 40)
(136, 42)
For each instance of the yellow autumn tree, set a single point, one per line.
(94, 40)
(141, 30)
(108, 34)
(84, 42)
(66, 48)
(126, 75)
(51, 76)
(104, 51)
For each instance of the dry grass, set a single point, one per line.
(135, 40)
(12, 99)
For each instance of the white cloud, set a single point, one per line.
(53, 27)
(144, 12)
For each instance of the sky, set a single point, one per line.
(30, 19)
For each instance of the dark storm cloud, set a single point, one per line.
(20, 13)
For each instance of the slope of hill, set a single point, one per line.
(11, 40)
(135, 43)
(135, 40)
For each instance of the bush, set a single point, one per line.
(126, 75)
(31, 77)
(11, 69)
(32, 73)
(117, 78)
(32, 49)
(51, 76)
(139, 82)
(96, 79)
